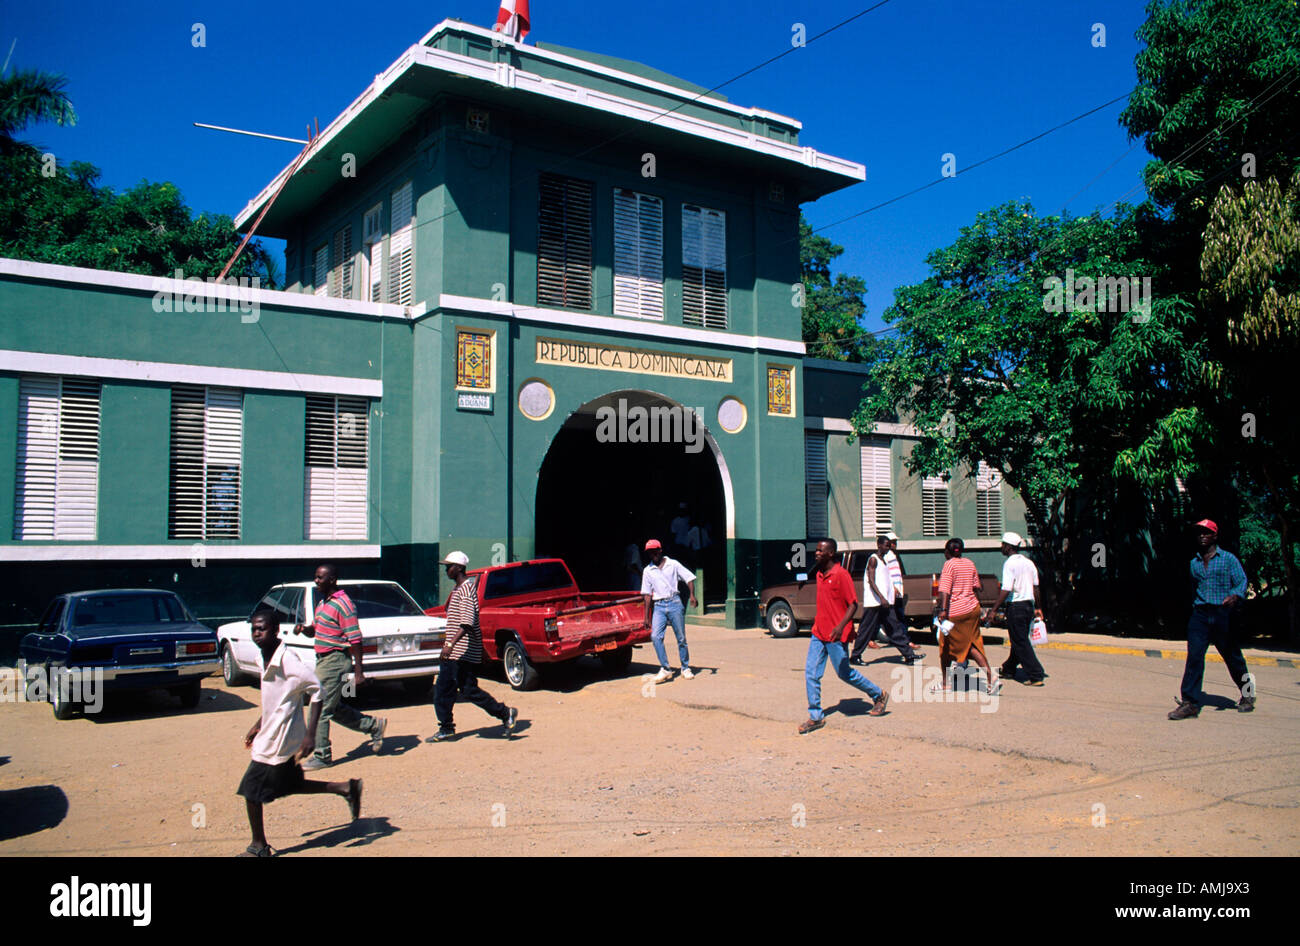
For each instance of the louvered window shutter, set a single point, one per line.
(57, 487)
(988, 500)
(704, 267)
(638, 255)
(373, 236)
(934, 506)
(207, 433)
(321, 278)
(341, 274)
(401, 262)
(816, 489)
(564, 242)
(877, 491)
(337, 474)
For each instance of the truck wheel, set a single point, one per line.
(520, 674)
(230, 671)
(780, 620)
(617, 661)
(417, 688)
(191, 693)
(63, 708)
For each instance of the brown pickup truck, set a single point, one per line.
(791, 605)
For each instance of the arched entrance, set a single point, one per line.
(598, 494)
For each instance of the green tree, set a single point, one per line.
(28, 96)
(1055, 389)
(833, 307)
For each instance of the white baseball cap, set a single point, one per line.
(456, 558)
(891, 536)
(1012, 539)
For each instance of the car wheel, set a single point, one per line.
(191, 693)
(617, 661)
(230, 671)
(417, 688)
(520, 673)
(780, 620)
(63, 707)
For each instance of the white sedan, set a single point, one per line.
(398, 640)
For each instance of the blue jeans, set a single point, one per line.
(665, 612)
(818, 651)
(1211, 624)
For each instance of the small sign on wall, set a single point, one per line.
(474, 402)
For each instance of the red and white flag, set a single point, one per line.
(512, 19)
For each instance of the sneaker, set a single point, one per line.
(511, 715)
(1186, 710)
(442, 735)
(687, 674)
(663, 675)
(1247, 705)
(856, 662)
(315, 763)
(811, 725)
(377, 737)
(1035, 683)
(878, 707)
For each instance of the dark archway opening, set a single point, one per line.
(594, 499)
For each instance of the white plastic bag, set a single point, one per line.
(1038, 632)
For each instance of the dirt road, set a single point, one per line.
(1085, 766)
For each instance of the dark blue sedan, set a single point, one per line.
(92, 642)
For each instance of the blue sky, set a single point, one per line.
(894, 90)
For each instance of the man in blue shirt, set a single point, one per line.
(1220, 587)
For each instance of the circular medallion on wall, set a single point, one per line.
(536, 399)
(732, 415)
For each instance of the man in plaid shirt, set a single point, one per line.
(1220, 587)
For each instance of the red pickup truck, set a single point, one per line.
(532, 613)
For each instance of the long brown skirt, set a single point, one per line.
(964, 636)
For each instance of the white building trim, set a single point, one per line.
(85, 366)
(842, 425)
(178, 288)
(618, 326)
(508, 77)
(187, 551)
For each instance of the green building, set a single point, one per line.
(541, 302)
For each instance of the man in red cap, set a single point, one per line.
(663, 606)
(1220, 587)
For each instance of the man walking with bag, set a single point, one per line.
(1023, 604)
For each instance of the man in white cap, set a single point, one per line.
(663, 606)
(1020, 592)
(896, 577)
(462, 652)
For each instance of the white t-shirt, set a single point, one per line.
(660, 581)
(286, 678)
(895, 572)
(1019, 576)
(883, 581)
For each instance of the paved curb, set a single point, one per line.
(1161, 654)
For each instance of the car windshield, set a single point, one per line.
(129, 609)
(379, 601)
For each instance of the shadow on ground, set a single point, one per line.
(31, 809)
(358, 833)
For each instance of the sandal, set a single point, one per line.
(254, 851)
(354, 797)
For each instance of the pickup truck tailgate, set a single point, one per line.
(600, 620)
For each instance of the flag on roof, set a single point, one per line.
(512, 19)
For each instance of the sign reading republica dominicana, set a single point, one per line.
(570, 354)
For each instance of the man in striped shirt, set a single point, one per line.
(1220, 586)
(338, 649)
(461, 655)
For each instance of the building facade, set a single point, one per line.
(540, 302)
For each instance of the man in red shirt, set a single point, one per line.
(837, 603)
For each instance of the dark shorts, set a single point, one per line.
(265, 783)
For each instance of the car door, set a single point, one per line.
(293, 613)
(42, 647)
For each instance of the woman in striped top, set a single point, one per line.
(958, 583)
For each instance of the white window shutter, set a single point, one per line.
(988, 500)
(934, 506)
(337, 468)
(638, 255)
(877, 490)
(816, 489)
(374, 240)
(207, 433)
(401, 274)
(704, 267)
(57, 486)
(341, 274)
(321, 277)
